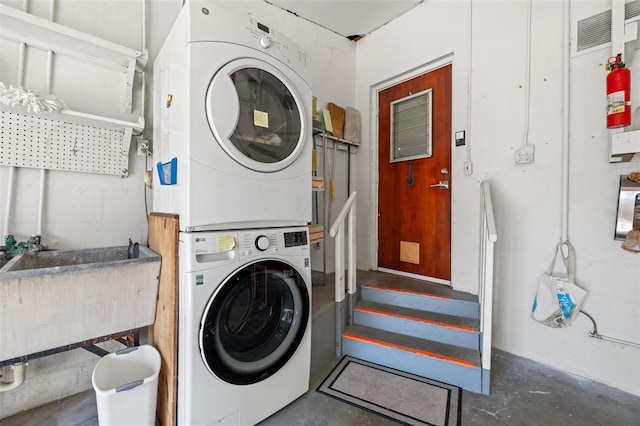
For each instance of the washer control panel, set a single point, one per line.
(295, 239)
(220, 247)
(273, 241)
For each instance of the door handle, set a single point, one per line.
(410, 181)
(444, 184)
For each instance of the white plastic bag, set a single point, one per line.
(558, 299)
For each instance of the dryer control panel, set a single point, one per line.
(214, 22)
(278, 46)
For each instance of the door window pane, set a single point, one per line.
(411, 127)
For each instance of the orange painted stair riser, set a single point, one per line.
(407, 317)
(413, 350)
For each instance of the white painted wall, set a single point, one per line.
(85, 210)
(527, 197)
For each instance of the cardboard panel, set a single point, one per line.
(410, 252)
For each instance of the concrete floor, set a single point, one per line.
(523, 392)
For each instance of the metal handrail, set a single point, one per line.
(487, 203)
(488, 237)
(337, 231)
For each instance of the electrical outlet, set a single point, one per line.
(524, 155)
(143, 147)
(468, 168)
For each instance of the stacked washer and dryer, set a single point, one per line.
(232, 115)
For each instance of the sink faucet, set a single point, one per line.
(11, 248)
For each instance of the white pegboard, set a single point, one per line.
(39, 142)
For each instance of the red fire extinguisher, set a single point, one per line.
(618, 93)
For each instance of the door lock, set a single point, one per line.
(444, 184)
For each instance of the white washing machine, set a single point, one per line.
(232, 110)
(244, 349)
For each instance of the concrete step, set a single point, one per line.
(438, 361)
(423, 296)
(438, 327)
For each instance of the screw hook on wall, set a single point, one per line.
(74, 148)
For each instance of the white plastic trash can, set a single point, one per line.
(126, 385)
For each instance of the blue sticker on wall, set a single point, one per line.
(199, 279)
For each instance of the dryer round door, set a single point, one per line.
(256, 115)
(254, 322)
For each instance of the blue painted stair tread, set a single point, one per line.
(455, 322)
(421, 287)
(428, 325)
(418, 327)
(409, 298)
(436, 350)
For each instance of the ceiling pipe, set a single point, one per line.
(10, 185)
(43, 172)
(144, 50)
(469, 87)
(12, 169)
(566, 76)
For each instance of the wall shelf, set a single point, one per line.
(624, 143)
(81, 118)
(319, 132)
(67, 140)
(37, 32)
(319, 227)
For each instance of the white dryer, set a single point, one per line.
(232, 109)
(244, 349)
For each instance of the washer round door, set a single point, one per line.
(254, 322)
(256, 115)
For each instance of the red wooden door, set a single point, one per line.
(414, 208)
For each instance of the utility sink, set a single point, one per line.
(51, 299)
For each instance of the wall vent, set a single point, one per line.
(632, 9)
(596, 30)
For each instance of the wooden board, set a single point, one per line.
(337, 119)
(163, 239)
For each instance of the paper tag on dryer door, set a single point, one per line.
(261, 119)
